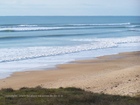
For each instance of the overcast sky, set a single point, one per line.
(69, 7)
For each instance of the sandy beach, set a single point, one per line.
(112, 74)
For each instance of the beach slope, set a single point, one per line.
(113, 74)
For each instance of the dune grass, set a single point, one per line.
(61, 96)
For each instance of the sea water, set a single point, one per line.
(41, 42)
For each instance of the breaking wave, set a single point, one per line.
(15, 54)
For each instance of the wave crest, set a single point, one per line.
(15, 54)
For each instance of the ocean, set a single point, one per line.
(42, 42)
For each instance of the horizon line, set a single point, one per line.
(69, 15)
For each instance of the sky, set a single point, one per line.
(69, 7)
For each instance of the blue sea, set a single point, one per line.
(41, 42)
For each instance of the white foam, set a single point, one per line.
(111, 24)
(29, 28)
(113, 40)
(26, 25)
(7, 68)
(134, 29)
(15, 54)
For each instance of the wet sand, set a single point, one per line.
(112, 74)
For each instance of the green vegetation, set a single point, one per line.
(61, 96)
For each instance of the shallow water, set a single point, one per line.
(27, 43)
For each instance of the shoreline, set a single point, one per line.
(111, 74)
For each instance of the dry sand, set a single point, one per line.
(113, 74)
